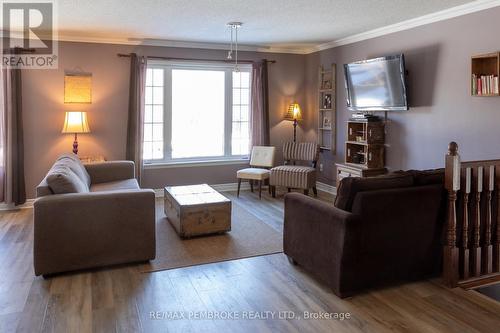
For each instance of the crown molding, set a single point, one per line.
(446, 14)
(218, 46)
(181, 44)
(61, 37)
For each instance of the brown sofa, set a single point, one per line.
(381, 231)
(91, 216)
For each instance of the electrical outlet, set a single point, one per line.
(321, 167)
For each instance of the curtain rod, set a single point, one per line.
(122, 55)
(20, 50)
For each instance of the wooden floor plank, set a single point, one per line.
(35, 309)
(102, 290)
(191, 303)
(9, 322)
(124, 299)
(421, 311)
(156, 299)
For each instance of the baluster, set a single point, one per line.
(465, 226)
(496, 247)
(487, 247)
(476, 249)
(452, 185)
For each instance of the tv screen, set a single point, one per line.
(376, 84)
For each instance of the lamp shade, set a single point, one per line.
(293, 112)
(76, 122)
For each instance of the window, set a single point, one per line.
(196, 112)
(198, 107)
(241, 105)
(153, 115)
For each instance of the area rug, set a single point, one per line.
(248, 237)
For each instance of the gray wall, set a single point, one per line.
(438, 59)
(44, 109)
(442, 110)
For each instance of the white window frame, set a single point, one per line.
(227, 158)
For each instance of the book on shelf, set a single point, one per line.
(484, 85)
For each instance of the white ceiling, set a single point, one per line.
(289, 24)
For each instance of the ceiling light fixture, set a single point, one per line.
(234, 26)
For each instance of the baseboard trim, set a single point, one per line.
(27, 204)
(330, 189)
(227, 187)
(232, 187)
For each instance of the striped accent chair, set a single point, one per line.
(294, 176)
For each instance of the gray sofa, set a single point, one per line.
(91, 215)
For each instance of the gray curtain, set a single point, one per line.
(135, 127)
(11, 138)
(259, 115)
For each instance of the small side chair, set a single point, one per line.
(261, 160)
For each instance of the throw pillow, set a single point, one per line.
(74, 163)
(61, 179)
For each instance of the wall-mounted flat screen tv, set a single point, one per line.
(377, 84)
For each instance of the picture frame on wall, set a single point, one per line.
(327, 124)
(327, 101)
(327, 84)
(78, 88)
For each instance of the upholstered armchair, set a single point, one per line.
(293, 176)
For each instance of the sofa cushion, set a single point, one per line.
(350, 186)
(119, 185)
(253, 173)
(73, 162)
(43, 188)
(429, 177)
(61, 179)
(424, 177)
(293, 176)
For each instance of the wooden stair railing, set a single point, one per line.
(474, 259)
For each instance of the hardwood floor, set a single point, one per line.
(121, 299)
(268, 209)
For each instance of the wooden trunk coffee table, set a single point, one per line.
(196, 210)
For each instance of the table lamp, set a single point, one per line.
(294, 114)
(76, 122)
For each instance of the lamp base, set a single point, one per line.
(295, 130)
(75, 145)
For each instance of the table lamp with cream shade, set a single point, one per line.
(294, 113)
(76, 122)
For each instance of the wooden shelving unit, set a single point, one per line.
(365, 144)
(484, 65)
(364, 150)
(327, 108)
